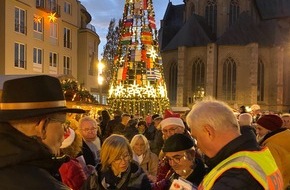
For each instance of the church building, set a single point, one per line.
(237, 51)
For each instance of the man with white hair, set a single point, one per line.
(235, 160)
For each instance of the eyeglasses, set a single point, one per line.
(125, 157)
(176, 158)
(171, 130)
(65, 124)
(89, 129)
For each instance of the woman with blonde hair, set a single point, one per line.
(117, 169)
(143, 155)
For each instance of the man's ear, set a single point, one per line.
(209, 131)
(41, 128)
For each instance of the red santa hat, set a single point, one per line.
(171, 118)
(69, 138)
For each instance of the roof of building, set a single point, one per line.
(265, 32)
(272, 9)
(194, 32)
(171, 23)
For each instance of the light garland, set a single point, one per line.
(138, 84)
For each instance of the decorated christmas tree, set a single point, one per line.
(138, 85)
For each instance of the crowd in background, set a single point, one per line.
(208, 147)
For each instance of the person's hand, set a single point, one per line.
(152, 178)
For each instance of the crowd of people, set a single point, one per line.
(44, 146)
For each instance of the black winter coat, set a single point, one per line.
(26, 163)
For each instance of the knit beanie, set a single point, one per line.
(177, 142)
(270, 122)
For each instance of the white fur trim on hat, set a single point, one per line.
(69, 139)
(172, 121)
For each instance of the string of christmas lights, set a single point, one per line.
(138, 85)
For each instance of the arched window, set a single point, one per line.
(234, 11)
(211, 15)
(198, 79)
(260, 81)
(229, 79)
(173, 83)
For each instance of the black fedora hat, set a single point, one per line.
(32, 96)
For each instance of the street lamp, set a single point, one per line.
(101, 67)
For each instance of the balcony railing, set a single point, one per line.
(49, 6)
(91, 27)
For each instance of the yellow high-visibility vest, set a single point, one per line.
(260, 164)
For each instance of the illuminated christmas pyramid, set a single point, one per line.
(138, 85)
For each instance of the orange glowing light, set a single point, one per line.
(52, 17)
(37, 19)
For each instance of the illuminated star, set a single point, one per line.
(134, 90)
(119, 91)
(52, 17)
(122, 60)
(153, 53)
(149, 91)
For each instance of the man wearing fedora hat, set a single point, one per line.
(32, 128)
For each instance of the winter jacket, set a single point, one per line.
(195, 177)
(278, 143)
(26, 163)
(133, 179)
(235, 178)
(72, 174)
(149, 163)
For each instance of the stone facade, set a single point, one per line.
(249, 57)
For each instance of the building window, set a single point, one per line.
(37, 55)
(39, 3)
(260, 81)
(173, 83)
(20, 20)
(19, 55)
(211, 15)
(52, 59)
(67, 38)
(53, 30)
(67, 7)
(38, 24)
(234, 11)
(66, 65)
(229, 79)
(198, 79)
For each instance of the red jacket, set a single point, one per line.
(72, 174)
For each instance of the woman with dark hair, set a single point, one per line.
(105, 118)
(117, 169)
